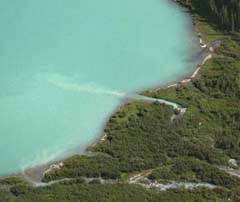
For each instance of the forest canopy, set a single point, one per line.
(224, 13)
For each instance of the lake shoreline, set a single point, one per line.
(36, 173)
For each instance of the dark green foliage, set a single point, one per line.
(144, 142)
(142, 139)
(6, 196)
(224, 13)
(110, 193)
(193, 170)
(77, 166)
(213, 101)
(11, 181)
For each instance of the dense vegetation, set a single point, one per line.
(78, 191)
(143, 136)
(213, 100)
(91, 167)
(224, 13)
(193, 170)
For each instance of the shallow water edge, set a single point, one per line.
(36, 172)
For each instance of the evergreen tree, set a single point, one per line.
(224, 13)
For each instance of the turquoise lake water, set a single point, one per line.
(66, 65)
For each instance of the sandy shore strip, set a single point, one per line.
(192, 76)
(195, 73)
(202, 45)
(206, 54)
